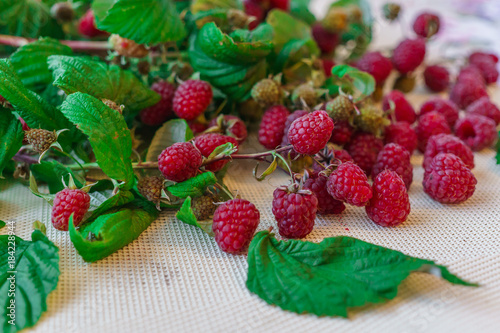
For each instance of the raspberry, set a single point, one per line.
(266, 92)
(376, 65)
(408, 55)
(342, 155)
(206, 144)
(150, 188)
(448, 180)
(62, 12)
(67, 202)
(488, 69)
(437, 78)
(443, 106)
(364, 149)
(478, 132)
(87, 26)
(405, 83)
(401, 133)
(180, 161)
(203, 207)
(304, 93)
(390, 204)
(40, 139)
(391, 11)
(371, 119)
(475, 56)
(447, 143)
(280, 4)
(272, 126)
(426, 25)
(403, 111)
(231, 126)
(395, 158)
(471, 72)
(342, 133)
(295, 212)
(235, 222)
(289, 120)
(327, 41)
(485, 107)
(161, 111)
(327, 66)
(310, 133)
(430, 124)
(197, 127)
(332, 156)
(127, 47)
(252, 8)
(341, 108)
(192, 98)
(466, 92)
(326, 204)
(349, 183)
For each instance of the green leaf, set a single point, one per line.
(231, 64)
(205, 5)
(193, 187)
(100, 8)
(11, 137)
(294, 51)
(2, 224)
(52, 173)
(350, 78)
(119, 199)
(330, 277)
(300, 9)
(111, 231)
(144, 21)
(36, 272)
(173, 131)
(30, 62)
(76, 74)
(107, 132)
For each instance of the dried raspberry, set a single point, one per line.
(448, 180)
(375, 64)
(390, 204)
(203, 207)
(206, 143)
(327, 41)
(443, 106)
(395, 158)
(161, 111)
(67, 202)
(272, 126)
(466, 92)
(180, 161)
(87, 26)
(485, 107)
(192, 98)
(326, 204)
(403, 134)
(289, 120)
(478, 132)
(476, 56)
(426, 25)
(408, 55)
(364, 149)
(232, 126)
(295, 212)
(437, 78)
(447, 143)
(40, 139)
(150, 188)
(430, 124)
(235, 222)
(266, 92)
(488, 69)
(310, 133)
(342, 133)
(349, 183)
(403, 110)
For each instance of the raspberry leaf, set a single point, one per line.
(11, 137)
(300, 10)
(100, 207)
(53, 174)
(193, 187)
(173, 131)
(330, 277)
(36, 272)
(186, 215)
(351, 79)
(287, 28)
(2, 224)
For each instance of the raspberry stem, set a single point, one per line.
(76, 45)
(256, 156)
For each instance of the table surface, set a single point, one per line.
(174, 278)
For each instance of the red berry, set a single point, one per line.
(289, 120)
(180, 161)
(342, 133)
(206, 143)
(327, 41)
(408, 55)
(437, 78)
(232, 126)
(485, 107)
(349, 183)
(430, 124)
(272, 126)
(375, 64)
(280, 4)
(471, 72)
(197, 127)
(426, 25)
(466, 92)
(488, 69)
(403, 110)
(295, 212)
(67, 202)
(364, 149)
(161, 111)
(192, 98)
(403, 134)
(327, 66)
(234, 224)
(443, 106)
(87, 26)
(326, 204)
(476, 56)
(447, 143)
(478, 132)
(395, 158)
(448, 180)
(252, 8)
(310, 133)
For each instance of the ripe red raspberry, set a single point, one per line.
(272, 126)
(471, 72)
(478, 132)
(437, 78)
(87, 26)
(475, 56)
(192, 98)
(326, 204)
(447, 143)
(252, 8)
(488, 69)
(403, 109)
(161, 111)
(403, 134)
(364, 149)
(448, 180)
(342, 155)
(235, 222)
(310, 133)
(444, 106)
(206, 143)
(67, 202)
(395, 158)
(231, 126)
(327, 66)
(197, 127)
(295, 212)
(349, 183)
(426, 25)
(485, 107)
(375, 64)
(430, 124)
(180, 161)
(390, 204)
(408, 55)
(289, 120)
(467, 91)
(280, 4)
(342, 133)
(327, 41)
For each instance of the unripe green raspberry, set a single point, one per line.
(203, 207)
(266, 92)
(372, 120)
(340, 108)
(40, 139)
(304, 92)
(150, 188)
